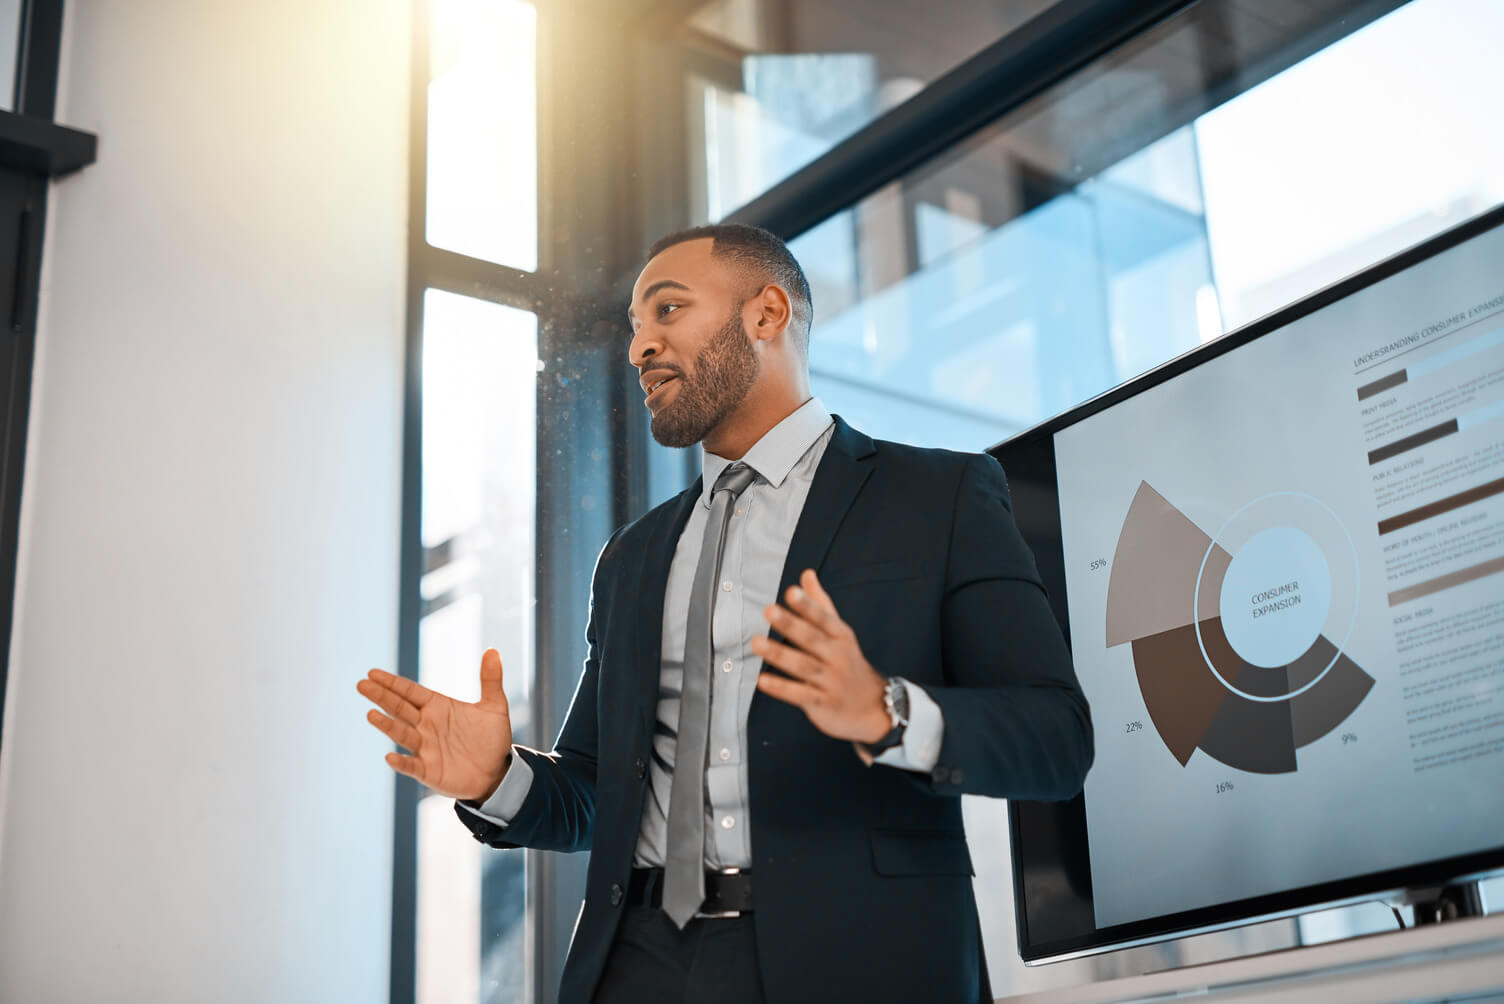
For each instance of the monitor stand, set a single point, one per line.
(1460, 959)
(1439, 904)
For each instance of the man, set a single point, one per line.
(770, 790)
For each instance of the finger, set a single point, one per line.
(800, 695)
(401, 733)
(796, 628)
(812, 585)
(389, 701)
(409, 765)
(409, 690)
(788, 659)
(810, 599)
(490, 678)
(816, 590)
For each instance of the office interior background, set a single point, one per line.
(324, 369)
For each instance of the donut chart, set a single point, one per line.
(1237, 637)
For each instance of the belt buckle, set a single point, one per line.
(722, 914)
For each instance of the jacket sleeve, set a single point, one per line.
(1016, 724)
(559, 810)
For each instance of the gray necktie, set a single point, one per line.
(684, 870)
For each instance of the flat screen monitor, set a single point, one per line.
(1279, 561)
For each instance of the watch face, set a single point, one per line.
(898, 698)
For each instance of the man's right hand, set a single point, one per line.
(458, 749)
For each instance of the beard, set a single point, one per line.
(725, 369)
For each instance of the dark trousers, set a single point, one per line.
(713, 960)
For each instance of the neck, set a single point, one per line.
(751, 421)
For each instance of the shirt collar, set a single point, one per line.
(775, 454)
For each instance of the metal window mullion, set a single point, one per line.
(452, 272)
(1023, 63)
(402, 985)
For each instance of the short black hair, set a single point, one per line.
(763, 256)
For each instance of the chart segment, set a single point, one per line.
(1252, 690)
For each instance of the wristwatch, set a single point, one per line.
(896, 701)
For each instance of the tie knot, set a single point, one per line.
(734, 479)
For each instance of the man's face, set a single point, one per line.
(695, 357)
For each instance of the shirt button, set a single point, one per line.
(726, 586)
(726, 666)
(725, 754)
(740, 510)
(727, 822)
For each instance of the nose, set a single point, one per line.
(645, 345)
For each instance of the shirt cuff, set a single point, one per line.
(507, 799)
(920, 749)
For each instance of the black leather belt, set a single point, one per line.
(727, 893)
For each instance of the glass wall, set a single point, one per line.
(773, 85)
(483, 131)
(1128, 214)
(975, 298)
(480, 368)
(1366, 148)
(477, 133)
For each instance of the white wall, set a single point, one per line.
(192, 807)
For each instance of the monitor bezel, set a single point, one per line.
(1038, 440)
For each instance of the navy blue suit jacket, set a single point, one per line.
(861, 875)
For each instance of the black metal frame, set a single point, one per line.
(429, 267)
(1028, 60)
(33, 144)
(581, 369)
(402, 987)
(40, 36)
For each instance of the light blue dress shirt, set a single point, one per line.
(757, 543)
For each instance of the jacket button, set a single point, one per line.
(940, 774)
(642, 769)
(616, 894)
(955, 776)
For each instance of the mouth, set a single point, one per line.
(656, 386)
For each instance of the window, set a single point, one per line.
(483, 131)
(1128, 214)
(771, 85)
(480, 366)
(461, 928)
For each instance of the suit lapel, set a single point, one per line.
(842, 472)
(652, 583)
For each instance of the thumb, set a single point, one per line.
(490, 678)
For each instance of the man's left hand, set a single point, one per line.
(828, 677)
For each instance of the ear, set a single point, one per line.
(770, 312)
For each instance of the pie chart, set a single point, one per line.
(1238, 635)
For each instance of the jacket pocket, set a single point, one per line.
(920, 852)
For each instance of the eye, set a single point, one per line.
(664, 308)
